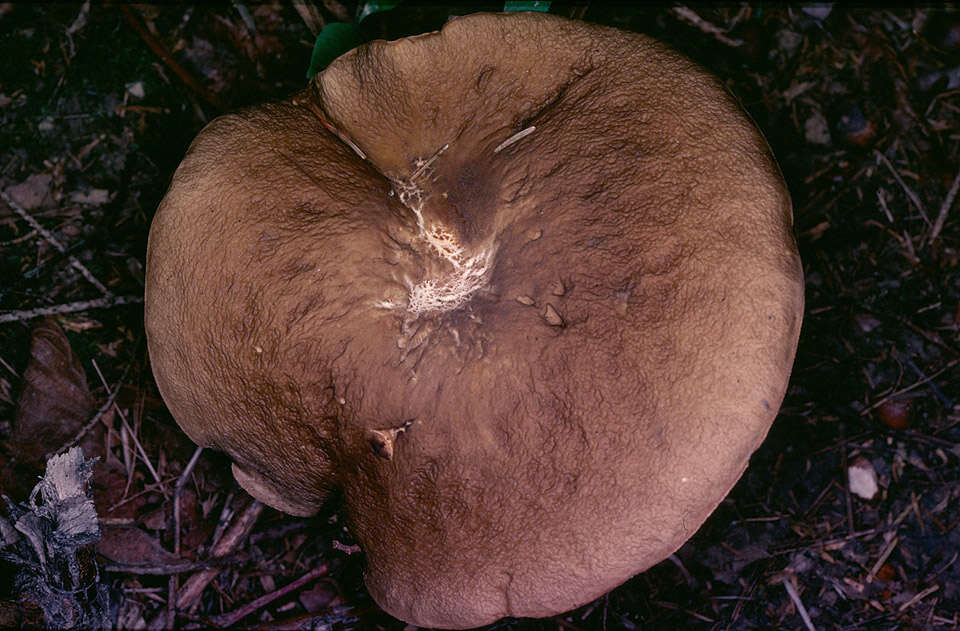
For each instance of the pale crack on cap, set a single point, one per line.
(450, 290)
(453, 289)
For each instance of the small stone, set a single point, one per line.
(862, 478)
(525, 300)
(816, 130)
(136, 90)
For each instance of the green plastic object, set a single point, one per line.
(337, 38)
(368, 8)
(529, 5)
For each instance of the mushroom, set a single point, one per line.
(525, 290)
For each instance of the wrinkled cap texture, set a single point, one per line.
(524, 290)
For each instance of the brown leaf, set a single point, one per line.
(55, 401)
(108, 493)
(33, 192)
(320, 597)
(131, 546)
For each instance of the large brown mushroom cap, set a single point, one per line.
(525, 289)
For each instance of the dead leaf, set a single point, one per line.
(91, 197)
(318, 598)
(129, 545)
(55, 402)
(108, 493)
(797, 89)
(33, 192)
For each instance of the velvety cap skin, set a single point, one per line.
(524, 290)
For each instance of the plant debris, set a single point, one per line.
(49, 543)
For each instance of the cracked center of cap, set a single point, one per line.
(448, 290)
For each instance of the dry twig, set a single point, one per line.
(920, 596)
(945, 208)
(111, 397)
(70, 307)
(238, 532)
(126, 424)
(49, 238)
(78, 24)
(912, 386)
(906, 189)
(230, 619)
(189, 595)
(161, 51)
(691, 16)
(795, 597)
(884, 555)
(310, 15)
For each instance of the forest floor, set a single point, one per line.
(862, 109)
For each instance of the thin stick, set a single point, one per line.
(237, 533)
(71, 307)
(947, 403)
(20, 239)
(223, 522)
(945, 208)
(795, 597)
(912, 386)
(918, 597)
(49, 238)
(173, 584)
(426, 165)
(514, 138)
(178, 494)
(310, 16)
(232, 618)
(884, 555)
(882, 198)
(112, 396)
(906, 189)
(690, 16)
(847, 493)
(161, 51)
(171, 602)
(162, 569)
(4, 363)
(123, 418)
(946, 566)
(78, 23)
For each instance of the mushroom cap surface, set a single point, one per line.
(524, 289)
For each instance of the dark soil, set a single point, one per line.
(861, 108)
